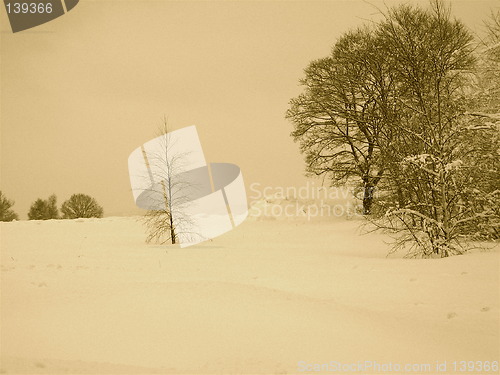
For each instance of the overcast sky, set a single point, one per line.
(81, 92)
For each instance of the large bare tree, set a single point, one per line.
(346, 104)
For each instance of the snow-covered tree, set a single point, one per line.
(435, 147)
(405, 106)
(482, 139)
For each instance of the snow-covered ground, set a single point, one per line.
(270, 297)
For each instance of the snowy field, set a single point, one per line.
(270, 297)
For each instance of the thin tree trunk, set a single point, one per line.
(368, 198)
(168, 209)
(172, 229)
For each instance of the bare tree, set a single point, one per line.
(172, 188)
(346, 106)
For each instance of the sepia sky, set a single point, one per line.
(80, 93)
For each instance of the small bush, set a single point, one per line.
(6, 213)
(44, 209)
(81, 205)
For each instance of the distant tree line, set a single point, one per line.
(77, 206)
(409, 108)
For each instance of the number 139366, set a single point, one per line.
(32, 8)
